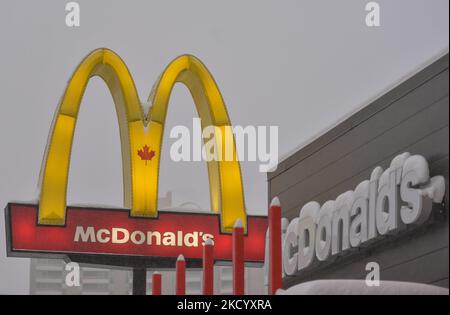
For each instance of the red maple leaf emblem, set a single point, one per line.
(146, 154)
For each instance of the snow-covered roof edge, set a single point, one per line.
(385, 90)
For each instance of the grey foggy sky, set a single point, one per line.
(301, 65)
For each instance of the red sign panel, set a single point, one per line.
(97, 231)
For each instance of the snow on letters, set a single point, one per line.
(386, 204)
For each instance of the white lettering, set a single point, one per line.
(86, 236)
(117, 232)
(401, 195)
(136, 237)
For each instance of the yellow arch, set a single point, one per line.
(226, 189)
(137, 131)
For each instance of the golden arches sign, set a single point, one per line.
(138, 133)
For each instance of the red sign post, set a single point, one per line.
(275, 260)
(156, 283)
(208, 268)
(238, 259)
(180, 276)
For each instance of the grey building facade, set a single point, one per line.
(412, 117)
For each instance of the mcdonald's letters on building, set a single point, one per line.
(106, 236)
(390, 202)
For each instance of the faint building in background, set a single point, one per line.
(47, 276)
